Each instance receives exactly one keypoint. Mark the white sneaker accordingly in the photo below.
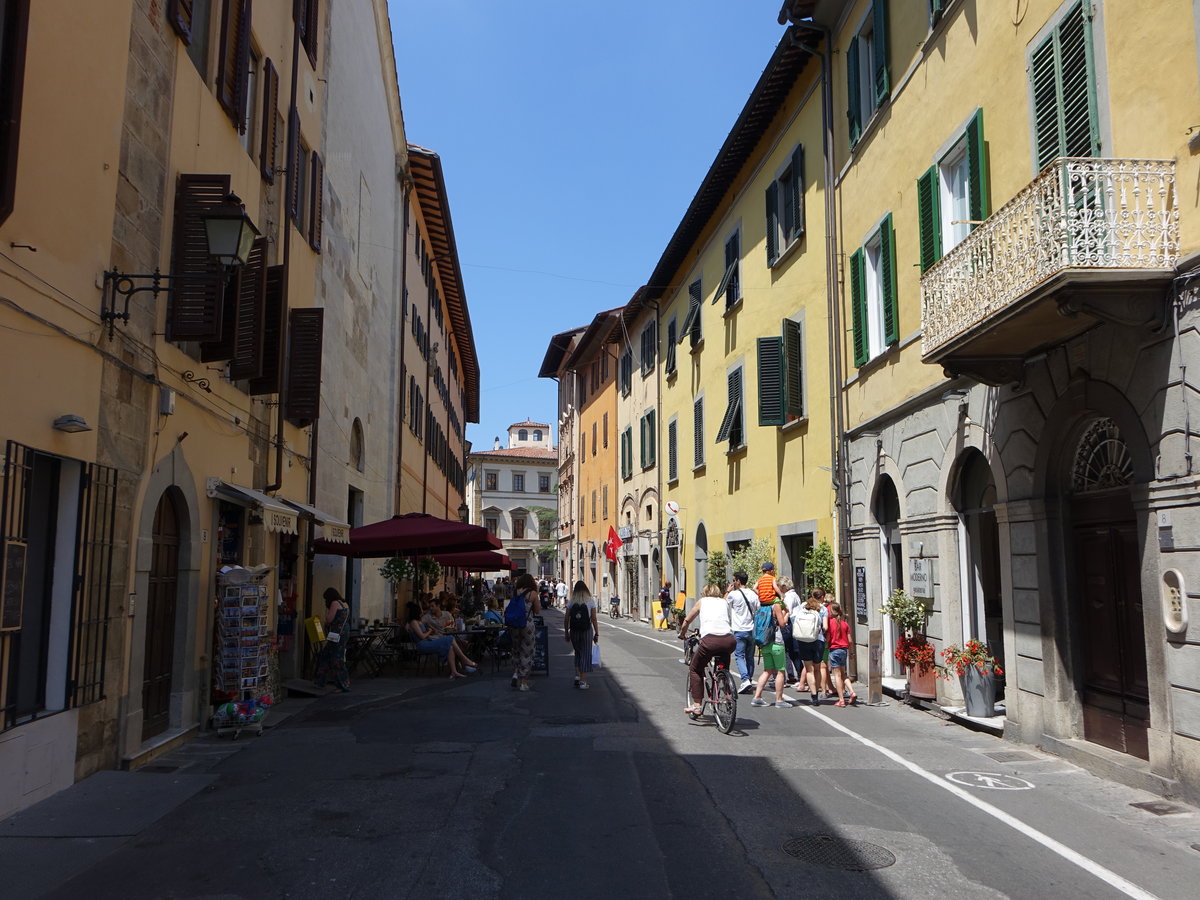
(746, 687)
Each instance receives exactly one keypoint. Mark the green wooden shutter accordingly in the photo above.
(797, 191)
(793, 363)
(672, 450)
(642, 441)
(883, 81)
(770, 381)
(936, 8)
(772, 222)
(858, 306)
(731, 428)
(651, 438)
(854, 106)
(1062, 75)
(929, 218)
(977, 171)
(887, 272)
(669, 363)
(698, 432)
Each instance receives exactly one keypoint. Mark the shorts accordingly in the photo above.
(837, 658)
(809, 651)
(773, 658)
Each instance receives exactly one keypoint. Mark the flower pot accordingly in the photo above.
(922, 684)
(979, 692)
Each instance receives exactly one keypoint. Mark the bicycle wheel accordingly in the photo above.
(725, 700)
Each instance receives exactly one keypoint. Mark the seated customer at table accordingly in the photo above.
(437, 619)
(491, 615)
(429, 641)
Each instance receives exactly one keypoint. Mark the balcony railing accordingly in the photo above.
(1078, 214)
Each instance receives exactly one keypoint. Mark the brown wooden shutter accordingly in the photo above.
(274, 319)
(222, 347)
(247, 359)
(270, 122)
(293, 170)
(179, 14)
(308, 14)
(195, 312)
(232, 71)
(315, 202)
(302, 403)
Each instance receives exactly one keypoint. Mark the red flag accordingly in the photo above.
(613, 544)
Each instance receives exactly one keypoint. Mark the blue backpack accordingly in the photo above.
(516, 615)
(764, 625)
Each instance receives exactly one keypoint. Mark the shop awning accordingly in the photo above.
(333, 529)
(276, 515)
(413, 534)
(479, 561)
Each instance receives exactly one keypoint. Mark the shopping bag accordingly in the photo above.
(333, 637)
(595, 656)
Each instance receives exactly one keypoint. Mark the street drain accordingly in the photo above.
(1159, 807)
(1011, 756)
(834, 852)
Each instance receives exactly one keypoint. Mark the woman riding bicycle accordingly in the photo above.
(716, 641)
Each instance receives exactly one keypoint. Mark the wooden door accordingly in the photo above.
(1114, 689)
(160, 621)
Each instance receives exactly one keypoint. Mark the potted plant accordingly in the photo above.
(394, 571)
(976, 669)
(912, 650)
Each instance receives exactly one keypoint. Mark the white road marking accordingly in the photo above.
(1090, 866)
(990, 780)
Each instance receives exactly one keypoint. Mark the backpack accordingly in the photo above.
(764, 626)
(580, 617)
(516, 614)
(806, 624)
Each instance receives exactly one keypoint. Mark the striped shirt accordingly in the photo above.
(766, 589)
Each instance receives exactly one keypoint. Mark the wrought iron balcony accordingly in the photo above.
(1087, 240)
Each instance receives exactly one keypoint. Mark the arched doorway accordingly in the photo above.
(891, 560)
(1106, 575)
(159, 658)
(979, 562)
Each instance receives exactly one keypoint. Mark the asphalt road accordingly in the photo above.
(428, 788)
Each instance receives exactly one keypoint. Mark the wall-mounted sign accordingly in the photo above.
(921, 577)
(671, 507)
(860, 592)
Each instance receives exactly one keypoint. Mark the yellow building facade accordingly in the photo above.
(745, 419)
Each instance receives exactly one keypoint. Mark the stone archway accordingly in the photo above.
(158, 662)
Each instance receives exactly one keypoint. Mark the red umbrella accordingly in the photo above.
(413, 534)
(481, 560)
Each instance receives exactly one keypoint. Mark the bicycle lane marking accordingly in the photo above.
(1090, 866)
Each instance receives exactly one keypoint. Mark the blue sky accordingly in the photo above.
(573, 136)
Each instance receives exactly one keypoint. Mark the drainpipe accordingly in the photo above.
(405, 190)
(838, 443)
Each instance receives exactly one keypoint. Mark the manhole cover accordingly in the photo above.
(1159, 807)
(834, 852)
(1011, 756)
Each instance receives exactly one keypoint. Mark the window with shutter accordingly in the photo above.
(605, 430)
(307, 14)
(179, 14)
(731, 428)
(978, 193)
(626, 372)
(854, 116)
(234, 63)
(770, 381)
(651, 439)
(873, 294)
(642, 441)
(698, 432)
(730, 286)
(669, 350)
(867, 69)
(14, 22)
(929, 219)
(887, 281)
(691, 327)
(274, 318)
(270, 122)
(302, 400)
(649, 348)
(858, 307)
(295, 170)
(196, 308)
(247, 358)
(673, 450)
(1063, 80)
(772, 223)
(793, 360)
(316, 205)
(785, 207)
(883, 81)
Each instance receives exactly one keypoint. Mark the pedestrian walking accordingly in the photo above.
(331, 658)
(773, 659)
(582, 631)
(518, 616)
(666, 602)
(839, 651)
(560, 592)
(743, 604)
(807, 631)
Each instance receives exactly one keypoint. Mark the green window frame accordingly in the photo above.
(691, 327)
(732, 427)
(885, 274)
(781, 376)
(730, 287)
(1062, 74)
(929, 213)
(647, 434)
(673, 450)
(697, 432)
(785, 207)
(881, 81)
(627, 452)
(669, 349)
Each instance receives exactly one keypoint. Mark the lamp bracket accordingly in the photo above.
(118, 284)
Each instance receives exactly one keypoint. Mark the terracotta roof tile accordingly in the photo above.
(522, 452)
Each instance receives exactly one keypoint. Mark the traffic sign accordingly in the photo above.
(992, 781)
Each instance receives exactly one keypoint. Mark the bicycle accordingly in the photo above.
(614, 608)
(720, 692)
